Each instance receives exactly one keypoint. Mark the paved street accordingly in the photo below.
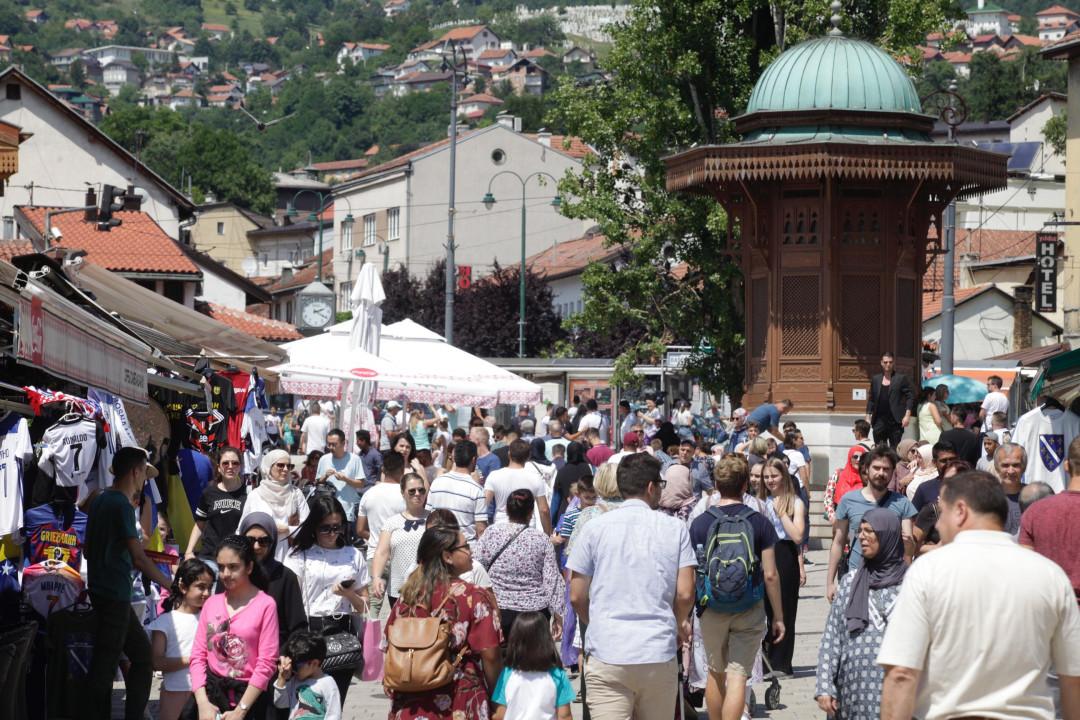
(367, 702)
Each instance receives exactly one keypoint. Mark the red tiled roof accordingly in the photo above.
(254, 325)
(482, 98)
(1057, 10)
(374, 46)
(575, 147)
(929, 53)
(463, 33)
(14, 248)
(494, 54)
(537, 53)
(571, 257)
(1029, 40)
(981, 39)
(957, 57)
(331, 165)
(137, 245)
(306, 275)
(214, 27)
(372, 151)
(931, 306)
(986, 245)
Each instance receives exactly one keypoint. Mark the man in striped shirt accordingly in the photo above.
(458, 492)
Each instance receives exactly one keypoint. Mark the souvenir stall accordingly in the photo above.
(89, 363)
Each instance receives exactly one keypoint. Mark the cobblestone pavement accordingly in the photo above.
(366, 701)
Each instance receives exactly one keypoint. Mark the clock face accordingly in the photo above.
(317, 313)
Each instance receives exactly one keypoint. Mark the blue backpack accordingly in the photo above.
(725, 574)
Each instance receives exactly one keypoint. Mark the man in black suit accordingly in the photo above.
(890, 403)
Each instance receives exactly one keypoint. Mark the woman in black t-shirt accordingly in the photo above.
(218, 513)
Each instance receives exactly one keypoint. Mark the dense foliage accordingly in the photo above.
(485, 314)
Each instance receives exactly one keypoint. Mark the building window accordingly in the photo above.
(346, 236)
(9, 227)
(288, 312)
(393, 224)
(266, 259)
(221, 228)
(345, 295)
(14, 91)
(369, 230)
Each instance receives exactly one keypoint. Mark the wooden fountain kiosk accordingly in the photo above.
(833, 190)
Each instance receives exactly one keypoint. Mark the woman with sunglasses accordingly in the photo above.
(333, 574)
(279, 498)
(399, 539)
(843, 481)
(218, 511)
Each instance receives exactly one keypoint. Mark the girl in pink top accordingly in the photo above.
(235, 652)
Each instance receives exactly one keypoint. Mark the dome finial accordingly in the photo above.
(835, 19)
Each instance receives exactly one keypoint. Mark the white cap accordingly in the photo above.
(393, 404)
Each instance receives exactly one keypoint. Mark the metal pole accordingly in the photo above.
(318, 219)
(521, 282)
(451, 267)
(948, 299)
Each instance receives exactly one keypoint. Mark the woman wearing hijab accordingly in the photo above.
(576, 467)
(282, 585)
(848, 678)
(668, 438)
(279, 498)
(844, 481)
(677, 498)
(924, 470)
(905, 452)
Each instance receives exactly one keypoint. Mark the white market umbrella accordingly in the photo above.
(367, 299)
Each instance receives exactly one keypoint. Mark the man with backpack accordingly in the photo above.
(736, 568)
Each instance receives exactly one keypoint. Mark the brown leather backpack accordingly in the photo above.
(418, 652)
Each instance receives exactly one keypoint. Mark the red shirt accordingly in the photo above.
(1050, 527)
(597, 455)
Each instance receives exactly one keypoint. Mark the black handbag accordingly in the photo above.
(344, 651)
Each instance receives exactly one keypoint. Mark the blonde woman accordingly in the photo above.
(785, 510)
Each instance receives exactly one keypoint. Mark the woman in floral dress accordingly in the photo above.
(442, 555)
(848, 676)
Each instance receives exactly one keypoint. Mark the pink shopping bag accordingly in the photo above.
(373, 654)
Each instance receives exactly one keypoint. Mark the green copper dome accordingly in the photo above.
(834, 73)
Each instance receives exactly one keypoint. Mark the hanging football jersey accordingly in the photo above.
(70, 450)
(49, 586)
(1046, 432)
(206, 430)
(55, 533)
(15, 450)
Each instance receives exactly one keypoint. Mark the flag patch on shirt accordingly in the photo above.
(1051, 450)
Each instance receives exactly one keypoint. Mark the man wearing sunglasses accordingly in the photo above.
(343, 471)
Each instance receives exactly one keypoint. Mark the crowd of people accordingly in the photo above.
(509, 564)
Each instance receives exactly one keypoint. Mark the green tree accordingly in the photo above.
(77, 73)
(1055, 131)
(678, 69)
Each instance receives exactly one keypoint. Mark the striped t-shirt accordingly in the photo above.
(461, 495)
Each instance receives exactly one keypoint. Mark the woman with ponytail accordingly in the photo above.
(172, 634)
(333, 574)
(235, 653)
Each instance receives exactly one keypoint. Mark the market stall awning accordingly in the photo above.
(1059, 378)
(61, 338)
(412, 363)
(154, 315)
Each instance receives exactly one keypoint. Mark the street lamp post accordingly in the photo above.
(451, 265)
(314, 216)
(489, 201)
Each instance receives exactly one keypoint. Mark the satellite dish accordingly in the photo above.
(249, 265)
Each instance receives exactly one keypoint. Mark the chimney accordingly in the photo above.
(506, 120)
(90, 214)
(1022, 297)
(965, 262)
(544, 137)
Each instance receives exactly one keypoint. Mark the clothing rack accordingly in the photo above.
(218, 357)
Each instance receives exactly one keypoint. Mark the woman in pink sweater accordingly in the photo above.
(235, 652)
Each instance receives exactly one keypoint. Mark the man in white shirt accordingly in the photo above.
(390, 425)
(313, 431)
(458, 492)
(343, 470)
(500, 483)
(381, 502)
(995, 401)
(592, 419)
(632, 584)
(981, 621)
(631, 445)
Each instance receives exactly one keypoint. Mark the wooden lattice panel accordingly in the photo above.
(800, 326)
(860, 315)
